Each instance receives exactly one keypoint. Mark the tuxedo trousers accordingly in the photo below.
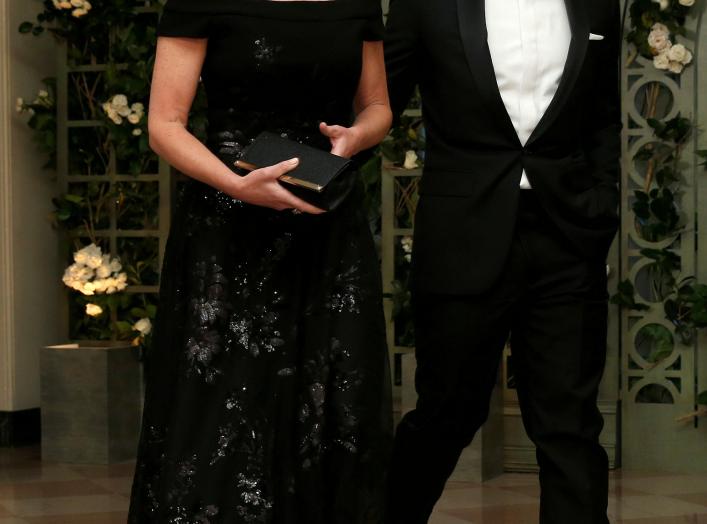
(552, 304)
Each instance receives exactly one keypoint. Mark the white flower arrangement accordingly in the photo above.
(664, 4)
(406, 243)
(95, 273)
(119, 110)
(143, 326)
(78, 8)
(668, 56)
(411, 160)
(94, 310)
(43, 99)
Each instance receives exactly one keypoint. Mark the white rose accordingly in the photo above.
(68, 277)
(679, 53)
(676, 67)
(121, 281)
(119, 101)
(410, 160)
(78, 13)
(688, 58)
(406, 243)
(19, 105)
(658, 39)
(94, 261)
(93, 310)
(116, 118)
(115, 265)
(137, 131)
(103, 271)
(90, 255)
(65, 4)
(661, 28)
(664, 4)
(134, 118)
(138, 108)
(143, 326)
(687, 3)
(100, 285)
(88, 288)
(661, 61)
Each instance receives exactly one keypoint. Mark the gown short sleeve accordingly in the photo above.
(181, 19)
(374, 29)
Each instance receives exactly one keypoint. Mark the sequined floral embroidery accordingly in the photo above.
(255, 330)
(329, 367)
(264, 52)
(209, 309)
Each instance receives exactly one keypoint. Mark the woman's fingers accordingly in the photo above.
(290, 201)
(339, 149)
(262, 188)
(304, 207)
(282, 168)
(331, 131)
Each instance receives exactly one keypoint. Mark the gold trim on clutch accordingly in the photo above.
(301, 183)
(245, 165)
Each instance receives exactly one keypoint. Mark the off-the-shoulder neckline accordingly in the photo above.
(291, 9)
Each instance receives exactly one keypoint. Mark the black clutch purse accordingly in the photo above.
(321, 179)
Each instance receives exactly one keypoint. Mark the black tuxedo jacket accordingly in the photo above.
(474, 160)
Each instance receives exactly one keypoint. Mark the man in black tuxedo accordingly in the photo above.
(518, 209)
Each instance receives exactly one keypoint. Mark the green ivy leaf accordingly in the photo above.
(123, 326)
(626, 297)
(138, 312)
(702, 398)
(76, 199)
(151, 310)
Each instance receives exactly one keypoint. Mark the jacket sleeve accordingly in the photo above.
(401, 54)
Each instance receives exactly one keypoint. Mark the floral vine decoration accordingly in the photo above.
(656, 24)
(42, 119)
(118, 35)
(78, 8)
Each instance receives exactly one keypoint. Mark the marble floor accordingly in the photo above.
(33, 492)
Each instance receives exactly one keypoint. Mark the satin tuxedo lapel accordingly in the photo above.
(474, 35)
(579, 44)
(472, 28)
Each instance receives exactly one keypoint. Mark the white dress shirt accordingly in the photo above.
(529, 42)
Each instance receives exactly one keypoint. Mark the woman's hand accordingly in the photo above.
(345, 141)
(371, 106)
(262, 188)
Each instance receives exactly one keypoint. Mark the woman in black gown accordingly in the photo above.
(267, 396)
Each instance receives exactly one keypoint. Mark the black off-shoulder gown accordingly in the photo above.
(267, 386)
